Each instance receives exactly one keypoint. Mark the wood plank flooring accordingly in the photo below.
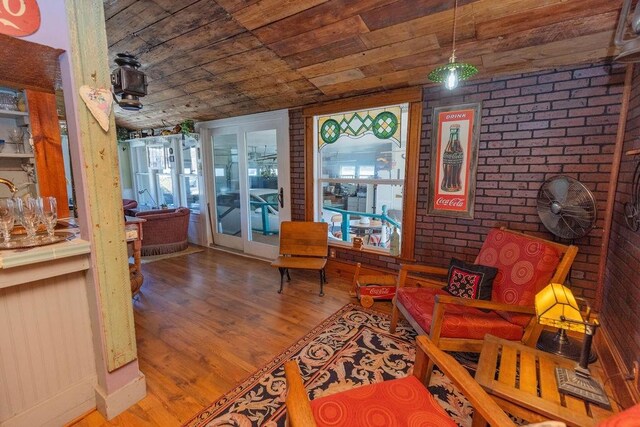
(206, 321)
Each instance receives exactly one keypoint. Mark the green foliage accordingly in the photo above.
(122, 134)
(187, 126)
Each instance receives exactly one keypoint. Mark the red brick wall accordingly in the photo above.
(534, 126)
(621, 302)
(296, 150)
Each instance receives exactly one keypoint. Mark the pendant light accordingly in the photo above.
(453, 72)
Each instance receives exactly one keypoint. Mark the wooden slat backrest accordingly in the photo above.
(304, 238)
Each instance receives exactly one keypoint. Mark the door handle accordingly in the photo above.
(281, 197)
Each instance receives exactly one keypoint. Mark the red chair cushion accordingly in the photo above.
(400, 402)
(458, 321)
(627, 418)
(525, 266)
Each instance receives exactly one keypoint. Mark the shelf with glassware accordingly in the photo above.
(17, 159)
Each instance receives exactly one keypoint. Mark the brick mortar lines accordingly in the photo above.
(533, 126)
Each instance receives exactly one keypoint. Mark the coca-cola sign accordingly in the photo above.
(378, 292)
(453, 160)
(19, 17)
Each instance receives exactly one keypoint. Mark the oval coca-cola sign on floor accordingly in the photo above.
(19, 17)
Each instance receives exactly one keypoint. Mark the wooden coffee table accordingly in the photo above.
(526, 385)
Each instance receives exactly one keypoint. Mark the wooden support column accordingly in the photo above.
(47, 142)
(100, 200)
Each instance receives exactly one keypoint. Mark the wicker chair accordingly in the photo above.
(165, 231)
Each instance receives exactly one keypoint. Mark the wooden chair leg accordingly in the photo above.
(394, 318)
(288, 277)
(281, 270)
(477, 420)
(322, 282)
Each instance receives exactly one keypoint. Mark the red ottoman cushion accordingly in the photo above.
(400, 402)
(628, 418)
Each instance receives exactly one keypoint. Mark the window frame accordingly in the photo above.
(412, 96)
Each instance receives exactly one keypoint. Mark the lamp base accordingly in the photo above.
(582, 386)
(559, 343)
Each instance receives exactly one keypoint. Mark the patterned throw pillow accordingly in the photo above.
(468, 280)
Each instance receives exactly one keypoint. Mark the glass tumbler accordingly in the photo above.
(49, 214)
(29, 212)
(7, 218)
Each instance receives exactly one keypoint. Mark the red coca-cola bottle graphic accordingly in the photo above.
(452, 160)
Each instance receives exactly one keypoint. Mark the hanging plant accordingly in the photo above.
(122, 134)
(187, 126)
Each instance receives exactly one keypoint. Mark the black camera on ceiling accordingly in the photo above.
(129, 82)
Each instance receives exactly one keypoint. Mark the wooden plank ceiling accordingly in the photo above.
(209, 59)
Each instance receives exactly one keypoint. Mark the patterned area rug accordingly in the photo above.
(351, 348)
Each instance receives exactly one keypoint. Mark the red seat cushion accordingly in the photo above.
(525, 266)
(458, 321)
(400, 402)
(627, 418)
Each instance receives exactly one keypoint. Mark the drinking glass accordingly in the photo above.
(29, 212)
(49, 214)
(7, 217)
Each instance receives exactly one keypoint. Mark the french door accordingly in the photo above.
(248, 181)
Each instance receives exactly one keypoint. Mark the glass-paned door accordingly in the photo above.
(262, 178)
(226, 173)
(251, 183)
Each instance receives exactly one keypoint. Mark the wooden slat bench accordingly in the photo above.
(303, 245)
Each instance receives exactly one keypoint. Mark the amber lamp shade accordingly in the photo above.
(556, 306)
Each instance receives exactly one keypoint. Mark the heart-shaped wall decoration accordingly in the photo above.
(99, 102)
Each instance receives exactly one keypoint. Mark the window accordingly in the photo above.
(167, 171)
(361, 155)
(361, 167)
(190, 173)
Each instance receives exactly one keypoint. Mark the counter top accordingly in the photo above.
(68, 248)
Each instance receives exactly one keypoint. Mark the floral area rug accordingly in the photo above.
(351, 348)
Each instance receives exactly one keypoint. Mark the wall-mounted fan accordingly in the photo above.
(566, 207)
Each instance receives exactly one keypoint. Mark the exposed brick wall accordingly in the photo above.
(620, 313)
(296, 149)
(534, 126)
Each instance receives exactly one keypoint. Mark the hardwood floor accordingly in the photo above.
(205, 321)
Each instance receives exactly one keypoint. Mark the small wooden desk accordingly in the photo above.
(526, 385)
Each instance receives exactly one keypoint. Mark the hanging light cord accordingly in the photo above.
(453, 46)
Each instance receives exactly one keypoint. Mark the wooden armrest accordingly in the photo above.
(440, 271)
(415, 268)
(299, 411)
(488, 305)
(476, 395)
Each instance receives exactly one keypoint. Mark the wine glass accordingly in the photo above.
(49, 214)
(16, 136)
(29, 212)
(7, 218)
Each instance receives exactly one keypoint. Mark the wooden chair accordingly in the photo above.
(304, 413)
(459, 324)
(303, 245)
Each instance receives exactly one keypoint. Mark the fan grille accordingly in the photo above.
(566, 207)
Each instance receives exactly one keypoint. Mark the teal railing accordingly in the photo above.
(346, 217)
(264, 212)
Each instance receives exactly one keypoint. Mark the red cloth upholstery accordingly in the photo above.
(400, 402)
(524, 266)
(627, 418)
(458, 321)
(128, 205)
(165, 231)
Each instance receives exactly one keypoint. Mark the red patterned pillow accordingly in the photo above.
(468, 280)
